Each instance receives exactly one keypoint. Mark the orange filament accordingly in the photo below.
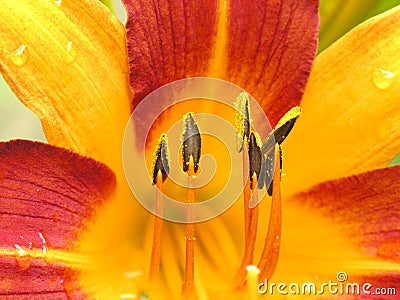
(270, 253)
(188, 283)
(251, 230)
(158, 224)
(246, 197)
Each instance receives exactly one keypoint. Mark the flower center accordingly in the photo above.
(263, 168)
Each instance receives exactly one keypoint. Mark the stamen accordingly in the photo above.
(253, 142)
(270, 253)
(246, 197)
(161, 159)
(242, 120)
(252, 282)
(251, 234)
(254, 156)
(188, 283)
(191, 151)
(282, 129)
(191, 142)
(160, 174)
(268, 169)
(157, 232)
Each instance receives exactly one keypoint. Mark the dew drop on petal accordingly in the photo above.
(383, 79)
(71, 52)
(44, 245)
(57, 2)
(22, 257)
(351, 121)
(38, 192)
(20, 56)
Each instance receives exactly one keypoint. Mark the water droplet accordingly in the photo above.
(22, 257)
(44, 246)
(38, 192)
(57, 2)
(20, 56)
(383, 79)
(71, 52)
(351, 121)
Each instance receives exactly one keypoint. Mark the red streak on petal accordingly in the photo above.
(168, 40)
(266, 47)
(48, 196)
(365, 206)
(271, 48)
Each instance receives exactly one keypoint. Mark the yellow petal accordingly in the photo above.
(351, 107)
(66, 61)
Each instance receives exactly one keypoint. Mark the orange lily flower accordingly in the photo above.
(69, 226)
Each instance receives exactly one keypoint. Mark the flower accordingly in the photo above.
(69, 226)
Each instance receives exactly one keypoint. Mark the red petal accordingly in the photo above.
(271, 48)
(47, 197)
(266, 47)
(366, 206)
(165, 41)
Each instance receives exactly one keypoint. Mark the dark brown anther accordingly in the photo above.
(269, 168)
(191, 142)
(242, 120)
(161, 159)
(282, 129)
(255, 157)
(246, 120)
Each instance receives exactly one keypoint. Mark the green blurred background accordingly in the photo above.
(337, 18)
